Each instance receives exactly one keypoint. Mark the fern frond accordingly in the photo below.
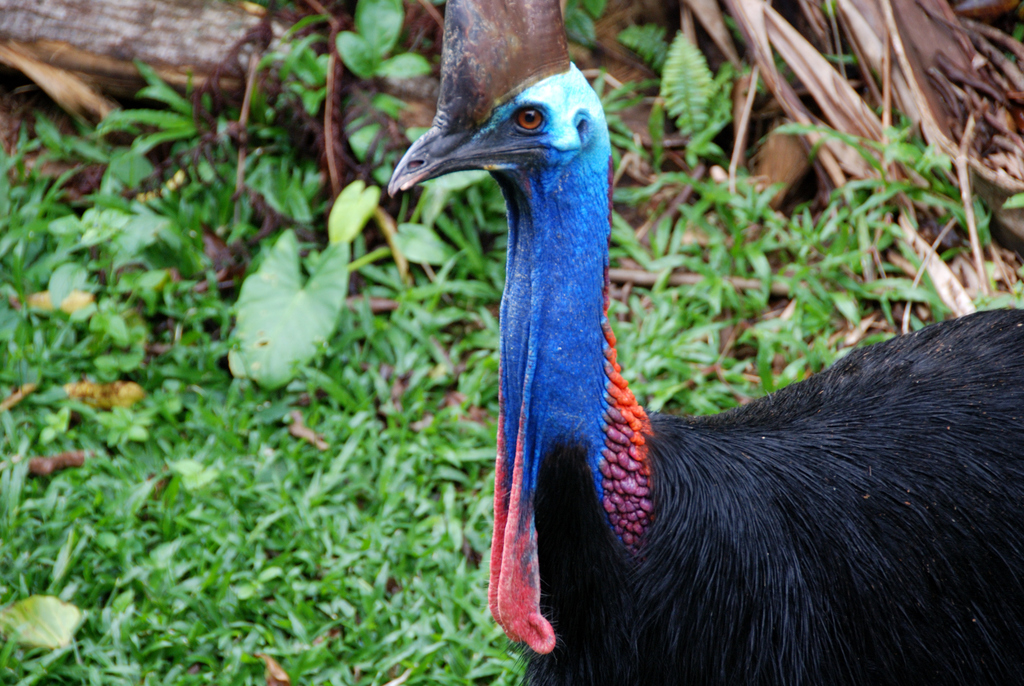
(687, 85)
(647, 41)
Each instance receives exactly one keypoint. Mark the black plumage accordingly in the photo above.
(865, 526)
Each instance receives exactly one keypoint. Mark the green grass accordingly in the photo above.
(200, 531)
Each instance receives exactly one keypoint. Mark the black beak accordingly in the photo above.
(436, 153)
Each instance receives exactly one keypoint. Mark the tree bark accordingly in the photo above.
(97, 41)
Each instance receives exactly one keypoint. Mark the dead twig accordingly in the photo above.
(968, 200)
(920, 270)
(996, 36)
(377, 305)
(332, 164)
(17, 396)
(243, 122)
(44, 466)
(741, 129)
(645, 278)
(886, 85)
(681, 198)
(432, 11)
(1005, 274)
(400, 679)
(320, 9)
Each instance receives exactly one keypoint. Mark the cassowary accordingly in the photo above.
(865, 526)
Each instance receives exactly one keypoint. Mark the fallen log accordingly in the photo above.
(98, 41)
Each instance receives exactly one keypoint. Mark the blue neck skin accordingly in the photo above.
(552, 343)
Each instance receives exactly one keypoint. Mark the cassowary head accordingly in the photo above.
(510, 100)
(512, 103)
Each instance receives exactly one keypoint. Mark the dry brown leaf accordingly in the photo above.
(709, 14)
(995, 190)
(275, 674)
(66, 89)
(106, 396)
(857, 333)
(843, 108)
(782, 159)
(751, 16)
(74, 301)
(864, 25)
(17, 396)
(423, 423)
(924, 36)
(299, 429)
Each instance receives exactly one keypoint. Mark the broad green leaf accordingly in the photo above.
(5, 188)
(413, 133)
(144, 144)
(580, 27)
(404, 66)
(420, 244)
(594, 7)
(361, 140)
(66, 278)
(128, 234)
(40, 621)
(847, 307)
(352, 209)
(160, 91)
(282, 186)
(1014, 202)
(194, 475)
(125, 120)
(129, 167)
(358, 55)
(647, 41)
(437, 191)
(379, 22)
(281, 321)
(389, 104)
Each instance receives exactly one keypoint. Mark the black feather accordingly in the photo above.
(865, 526)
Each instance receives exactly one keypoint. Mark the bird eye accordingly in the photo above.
(529, 118)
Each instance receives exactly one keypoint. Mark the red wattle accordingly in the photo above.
(514, 591)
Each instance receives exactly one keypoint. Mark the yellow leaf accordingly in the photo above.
(40, 301)
(74, 301)
(106, 395)
(41, 621)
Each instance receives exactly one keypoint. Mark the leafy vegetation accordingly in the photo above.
(379, 26)
(308, 474)
(647, 41)
(686, 85)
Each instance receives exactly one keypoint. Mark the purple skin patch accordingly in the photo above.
(623, 465)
